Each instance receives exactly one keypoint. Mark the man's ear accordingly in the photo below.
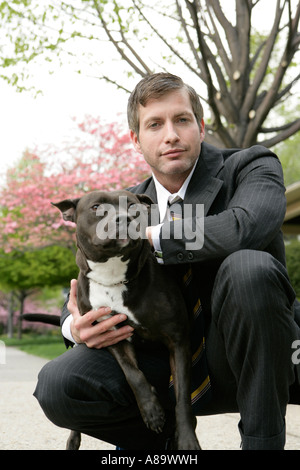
(68, 208)
(135, 141)
(202, 130)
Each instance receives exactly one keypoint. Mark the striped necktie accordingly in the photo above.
(200, 381)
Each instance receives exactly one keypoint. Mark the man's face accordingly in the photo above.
(169, 137)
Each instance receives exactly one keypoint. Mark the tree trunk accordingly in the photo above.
(20, 320)
(10, 318)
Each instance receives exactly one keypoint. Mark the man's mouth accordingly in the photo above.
(173, 153)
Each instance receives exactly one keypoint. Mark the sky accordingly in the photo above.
(26, 121)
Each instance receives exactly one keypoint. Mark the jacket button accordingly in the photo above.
(190, 256)
(180, 256)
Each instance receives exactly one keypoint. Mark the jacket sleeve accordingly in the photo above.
(64, 314)
(253, 209)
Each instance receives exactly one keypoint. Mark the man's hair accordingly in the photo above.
(153, 87)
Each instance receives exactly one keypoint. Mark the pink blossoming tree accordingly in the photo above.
(101, 157)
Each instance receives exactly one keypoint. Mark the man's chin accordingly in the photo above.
(177, 167)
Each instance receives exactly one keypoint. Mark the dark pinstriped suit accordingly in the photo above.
(248, 306)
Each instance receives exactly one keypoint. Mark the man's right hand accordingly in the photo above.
(101, 334)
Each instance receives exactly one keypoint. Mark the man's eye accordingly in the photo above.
(183, 120)
(154, 125)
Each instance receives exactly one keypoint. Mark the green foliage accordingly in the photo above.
(247, 68)
(47, 346)
(288, 153)
(293, 264)
(50, 266)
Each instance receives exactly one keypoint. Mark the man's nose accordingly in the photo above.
(171, 135)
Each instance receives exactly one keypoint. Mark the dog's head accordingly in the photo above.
(107, 222)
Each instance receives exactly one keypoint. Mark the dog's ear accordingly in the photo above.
(144, 199)
(68, 208)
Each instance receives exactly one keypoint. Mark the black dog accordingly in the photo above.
(119, 270)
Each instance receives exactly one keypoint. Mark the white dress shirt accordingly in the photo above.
(164, 198)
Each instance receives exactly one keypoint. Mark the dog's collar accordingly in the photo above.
(121, 283)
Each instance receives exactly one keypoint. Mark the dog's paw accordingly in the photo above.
(153, 414)
(188, 443)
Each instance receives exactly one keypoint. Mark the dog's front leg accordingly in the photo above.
(180, 362)
(74, 440)
(145, 394)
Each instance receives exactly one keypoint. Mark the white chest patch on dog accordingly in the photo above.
(106, 286)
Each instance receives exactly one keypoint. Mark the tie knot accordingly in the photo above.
(174, 198)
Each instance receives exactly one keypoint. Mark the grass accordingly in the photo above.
(47, 346)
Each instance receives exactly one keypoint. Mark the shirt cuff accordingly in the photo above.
(155, 236)
(66, 329)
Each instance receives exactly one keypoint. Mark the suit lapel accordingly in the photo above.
(151, 191)
(204, 185)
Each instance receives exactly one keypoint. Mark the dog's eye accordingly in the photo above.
(133, 206)
(95, 207)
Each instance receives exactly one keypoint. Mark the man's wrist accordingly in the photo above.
(66, 329)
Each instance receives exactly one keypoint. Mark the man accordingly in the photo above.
(238, 273)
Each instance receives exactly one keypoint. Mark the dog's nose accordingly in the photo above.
(122, 219)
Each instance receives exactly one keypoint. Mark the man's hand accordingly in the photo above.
(149, 235)
(100, 335)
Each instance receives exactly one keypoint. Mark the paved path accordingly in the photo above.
(23, 425)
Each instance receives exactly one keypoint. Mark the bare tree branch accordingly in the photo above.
(226, 137)
(285, 127)
(129, 47)
(252, 91)
(113, 82)
(190, 42)
(242, 89)
(287, 88)
(281, 136)
(272, 95)
(124, 56)
(172, 49)
(219, 43)
(229, 30)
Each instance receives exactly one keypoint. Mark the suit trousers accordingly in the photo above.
(248, 348)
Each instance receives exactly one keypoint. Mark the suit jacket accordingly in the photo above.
(244, 207)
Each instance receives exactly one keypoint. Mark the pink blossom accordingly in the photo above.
(101, 157)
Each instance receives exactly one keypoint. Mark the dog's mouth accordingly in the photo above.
(118, 232)
(114, 243)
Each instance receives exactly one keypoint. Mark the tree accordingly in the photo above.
(289, 152)
(100, 158)
(242, 75)
(23, 273)
(38, 247)
(293, 264)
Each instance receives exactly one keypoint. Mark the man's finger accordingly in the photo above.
(111, 322)
(72, 303)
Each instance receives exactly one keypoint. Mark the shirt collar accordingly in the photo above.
(164, 196)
